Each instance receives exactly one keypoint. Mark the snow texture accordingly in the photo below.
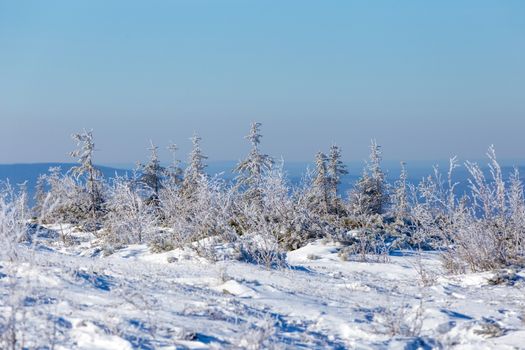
(74, 297)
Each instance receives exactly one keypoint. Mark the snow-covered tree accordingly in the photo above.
(152, 174)
(252, 169)
(370, 196)
(335, 170)
(320, 190)
(195, 170)
(87, 172)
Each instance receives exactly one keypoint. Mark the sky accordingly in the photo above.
(426, 79)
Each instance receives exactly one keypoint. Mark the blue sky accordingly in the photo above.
(427, 79)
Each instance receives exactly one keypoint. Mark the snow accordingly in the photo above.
(136, 299)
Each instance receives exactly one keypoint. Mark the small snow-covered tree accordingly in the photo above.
(195, 170)
(320, 193)
(370, 196)
(335, 170)
(252, 169)
(87, 172)
(152, 174)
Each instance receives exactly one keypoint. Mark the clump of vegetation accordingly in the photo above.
(260, 215)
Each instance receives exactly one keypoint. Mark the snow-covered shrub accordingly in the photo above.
(260, 333)
(268, 226)
(262, 249)
(129, 218)
(400, 205)
(490, 232)
(400, 320)
(368, 243)
(61, 199)
(14, 216)
(203, 219)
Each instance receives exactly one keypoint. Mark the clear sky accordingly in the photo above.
(427, 79)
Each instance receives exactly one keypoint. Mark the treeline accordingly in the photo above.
(260, 215)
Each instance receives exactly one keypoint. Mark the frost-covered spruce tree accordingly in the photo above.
(252, 169)
(195, 170)
(153, 175)
(87, 172)
(335, 170)
(370, 195)
(320, 192)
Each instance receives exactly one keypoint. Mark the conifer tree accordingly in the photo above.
(252, 169)
(370, 197)
(152, 173)
(87, 171)
(194, 172)
(321, 185)
(335, 170)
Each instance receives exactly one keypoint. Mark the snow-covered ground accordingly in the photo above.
(70, 297)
